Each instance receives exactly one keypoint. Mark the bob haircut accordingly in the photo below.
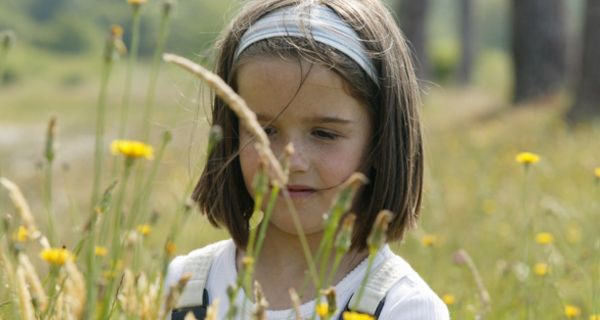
(394, 161)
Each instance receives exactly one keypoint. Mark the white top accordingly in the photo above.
(410, 298)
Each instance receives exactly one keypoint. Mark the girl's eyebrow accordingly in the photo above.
(315, 119)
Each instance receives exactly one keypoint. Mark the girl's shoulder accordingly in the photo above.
(410, 295)
(180, 264)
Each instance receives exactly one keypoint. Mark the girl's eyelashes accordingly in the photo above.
(269, 130)
(325, 134)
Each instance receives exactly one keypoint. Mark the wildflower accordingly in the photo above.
(351, 315)
(100, 251)
(540, 269)
(449, 299)
(572, 311)
(132, 149)
(116, 31)
(377, 236)
(527, 158)
(170, 248)
(597, 173)
(144, 229)
(247, 262)
(136, 2)
(429, 240)
(544, 238)
(22, 234)
(322, 309)
(56, 256)
(595, 317)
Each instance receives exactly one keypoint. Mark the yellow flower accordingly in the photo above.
(132, 149)
(595, 317)
(144, 229)
(429, 240)
(100, 251)
(544, 238)
(572, 311)
(527, 158)
(351, 315)
(116, 31)
(21, 235)
(170, 248)
(449, 299)
(540, 269)
(322, 309)
(597, 172)
(56, 256)
(136, 2)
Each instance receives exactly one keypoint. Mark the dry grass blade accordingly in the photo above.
(25, 306)
(37, 290)
(238, 105)
(21, 204)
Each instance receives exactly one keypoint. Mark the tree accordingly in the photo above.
(466, 36)
(587, 95)
(539, 47)
(412, 16)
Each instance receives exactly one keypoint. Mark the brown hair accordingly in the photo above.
(394, 163)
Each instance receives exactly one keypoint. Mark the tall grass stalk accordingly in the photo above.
(109, 55)
(156, 63)
(133, 53)
(49, 158)
(7, 41)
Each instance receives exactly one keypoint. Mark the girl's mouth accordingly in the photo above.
(300, 191)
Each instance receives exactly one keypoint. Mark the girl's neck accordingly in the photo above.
(282, 265)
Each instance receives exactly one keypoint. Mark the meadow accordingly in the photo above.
(499, 237)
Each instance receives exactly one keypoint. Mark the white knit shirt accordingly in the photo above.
(409, 299)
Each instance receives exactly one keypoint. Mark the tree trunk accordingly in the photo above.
(587, 99)
(466, 37)
(412, 17)
(539, 41)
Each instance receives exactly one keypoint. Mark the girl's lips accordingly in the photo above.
(300, 191)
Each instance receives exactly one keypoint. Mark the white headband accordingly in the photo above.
(320, 22)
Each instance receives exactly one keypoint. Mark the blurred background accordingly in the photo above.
(498, 77)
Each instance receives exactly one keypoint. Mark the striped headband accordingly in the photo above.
(320, 22)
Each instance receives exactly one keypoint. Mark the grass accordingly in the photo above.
(477, 197)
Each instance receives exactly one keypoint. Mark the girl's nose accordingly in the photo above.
(298, 162)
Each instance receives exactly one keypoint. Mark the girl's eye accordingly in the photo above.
(269, 130)
(325, 135)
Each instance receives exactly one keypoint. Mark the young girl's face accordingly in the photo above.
(328, 127)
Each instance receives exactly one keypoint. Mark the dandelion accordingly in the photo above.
(527, 158)
(597, 173)
(544, 238)
(100, 251)
(132, 149)
(572, 311)
(144, 229)
(351, 315)
(170, 248)
(541, 269)
(136, 2)
(322, 309)
(449, 299)
(56, 256)
(595, 317)
(22, 234)
(429, 240)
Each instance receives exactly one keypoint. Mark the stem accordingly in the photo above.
(100, 120)
(363, 283)
(48, 202)
(130, 65)
(269, 212)
(156, 61)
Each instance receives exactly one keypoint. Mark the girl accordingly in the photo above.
(334, 79)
